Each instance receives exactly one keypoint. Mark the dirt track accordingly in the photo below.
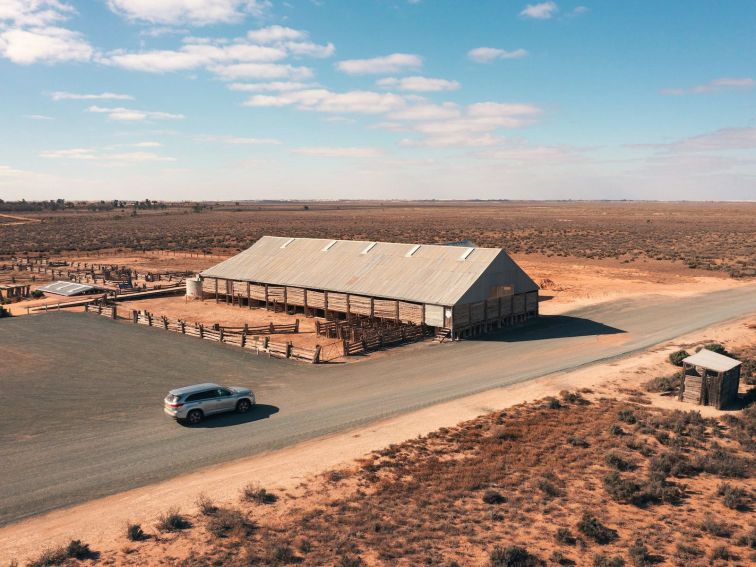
(83, 416)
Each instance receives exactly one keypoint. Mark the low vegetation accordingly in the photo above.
(706, 236)
(526, 486)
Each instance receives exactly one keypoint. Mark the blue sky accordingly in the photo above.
(250, 99)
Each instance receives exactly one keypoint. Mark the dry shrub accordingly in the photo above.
(715, 527)
(173, 521)
(134, 532)
(591, 527)
(253, 492)
(75, 549)
(513, 556)
(734, 497)
(225, 522)
(206, 506)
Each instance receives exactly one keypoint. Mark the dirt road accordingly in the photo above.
(83, 414)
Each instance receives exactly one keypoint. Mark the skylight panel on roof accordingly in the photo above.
(329, 245)
(369, 247)
(467, 253)
(285, 244)
(414, 249)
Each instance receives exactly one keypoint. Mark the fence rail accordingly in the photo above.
(244, 338)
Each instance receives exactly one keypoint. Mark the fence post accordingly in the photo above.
(244, 337)
(220, 330)
(316, 355)
(201, 331)
(266, 340)
(296, 326)
(86, 308)
(288, 349)
(134, 316)
(345, 347)
(271, 328)
(115, 312)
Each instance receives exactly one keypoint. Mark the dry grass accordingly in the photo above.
(511, 488)
(713, 236)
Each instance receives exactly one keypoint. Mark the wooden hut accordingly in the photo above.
(710, 379)
(14, 292)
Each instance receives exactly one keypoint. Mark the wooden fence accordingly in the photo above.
(243, 337)
(381, 338)
(109, 311)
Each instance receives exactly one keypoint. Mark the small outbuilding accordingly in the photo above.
(68, 289)
(14, 292)
(710, 379)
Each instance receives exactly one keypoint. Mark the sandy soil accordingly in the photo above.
(571, 283)
(101, 522)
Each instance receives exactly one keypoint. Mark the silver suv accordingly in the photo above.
(193, 403)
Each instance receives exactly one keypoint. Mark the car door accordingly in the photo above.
(225, 400)
(206, 401)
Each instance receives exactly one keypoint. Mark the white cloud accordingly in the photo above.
(237, 141)
(63, 95)
(723, 84)
(310, 49)
(489, 54)
(323, 100)
(189, 12)
(339, 152)
(147, 145)
(261, 71)
(418, 84)
(73, 153)
(192, 56)
(131, 115)
(273, 86)
(425, 112)
(274, 34)
(448, 125)
(104, 157)
(394, 63)
(49, 44)
(724, 139)
(38, 117)
(541, 11)
(34, 13)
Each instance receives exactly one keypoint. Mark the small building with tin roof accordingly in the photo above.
(710, 379)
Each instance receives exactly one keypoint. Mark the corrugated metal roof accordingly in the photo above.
(426, 273)
(66, 288)
(712, 360)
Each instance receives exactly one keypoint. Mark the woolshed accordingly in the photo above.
(710, 379)
(456, 290)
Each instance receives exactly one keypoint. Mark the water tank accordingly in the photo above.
(194, 287)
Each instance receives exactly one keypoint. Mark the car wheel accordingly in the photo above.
(194, 417)
(243, 406)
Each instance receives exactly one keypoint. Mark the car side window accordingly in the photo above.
(223, 393)
(206, 395)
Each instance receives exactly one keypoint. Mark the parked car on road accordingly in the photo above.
(194, 403)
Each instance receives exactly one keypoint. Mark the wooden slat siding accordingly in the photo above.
(477, 312)
(461, 315)
(492, 308)
(360, 305)
(518, 304)
(276, 293)
(337, 302)
(411, 312)
(315, 299)
(384, 308)
(506, 305)
(257, 292)
(531, 301)
(295, 296)
(240, 288)
(208, 285)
